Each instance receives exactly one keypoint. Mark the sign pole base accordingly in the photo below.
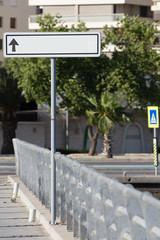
(156, 170)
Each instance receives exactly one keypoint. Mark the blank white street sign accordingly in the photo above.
(52, 44)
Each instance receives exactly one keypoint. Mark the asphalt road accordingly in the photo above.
(7, 167)
(108, 167)
(122, 167)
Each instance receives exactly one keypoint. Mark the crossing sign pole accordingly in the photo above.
(153, 122)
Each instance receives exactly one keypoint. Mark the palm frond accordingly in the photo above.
(106, 111)
(92, 99)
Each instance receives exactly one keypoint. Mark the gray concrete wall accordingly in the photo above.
(127, 138)
(32, 132)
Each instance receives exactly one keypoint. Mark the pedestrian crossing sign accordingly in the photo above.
(153, 117)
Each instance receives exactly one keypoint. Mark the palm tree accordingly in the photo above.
(105, 113)
(10, 98)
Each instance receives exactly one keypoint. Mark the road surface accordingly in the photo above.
(109, 167)
(121, 167)
(7, 167)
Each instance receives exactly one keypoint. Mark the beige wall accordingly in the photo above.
(71, 10)
(96, 9)
(62, 10)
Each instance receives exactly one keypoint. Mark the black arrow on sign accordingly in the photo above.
(13, 43)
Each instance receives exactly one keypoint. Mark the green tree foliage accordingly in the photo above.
(133, 69)
(76, 77)
(87, 79)
(135, 64)
(33, 74)
(105, 113)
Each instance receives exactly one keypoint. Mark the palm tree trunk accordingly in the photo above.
(107, 145)
(93, 140)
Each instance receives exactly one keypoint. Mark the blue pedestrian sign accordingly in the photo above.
(153, 117)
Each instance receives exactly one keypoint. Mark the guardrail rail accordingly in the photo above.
(93, 206)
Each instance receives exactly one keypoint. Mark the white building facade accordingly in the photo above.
(95, 13)
(156, 11)
(156, 5)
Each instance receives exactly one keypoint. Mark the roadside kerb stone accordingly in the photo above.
(116, 158)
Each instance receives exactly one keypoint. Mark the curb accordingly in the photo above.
(58, 231)
(115, 158)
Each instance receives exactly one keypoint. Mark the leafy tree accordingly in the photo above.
(88, 78)
(132, 71)
(76, 77)
(105, 113)
(33, 74)
(10, 97)
(135, 63)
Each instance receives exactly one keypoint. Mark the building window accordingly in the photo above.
(1, 44)
(12, 22)
(13, 3)
(1, 22)
(145, 12)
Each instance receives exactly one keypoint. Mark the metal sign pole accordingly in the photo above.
(53, 140)
(155, 151)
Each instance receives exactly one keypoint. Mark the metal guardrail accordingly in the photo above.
(93, 206)
(33, 168)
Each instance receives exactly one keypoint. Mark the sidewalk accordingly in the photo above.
(14, 218)
(56, 232)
